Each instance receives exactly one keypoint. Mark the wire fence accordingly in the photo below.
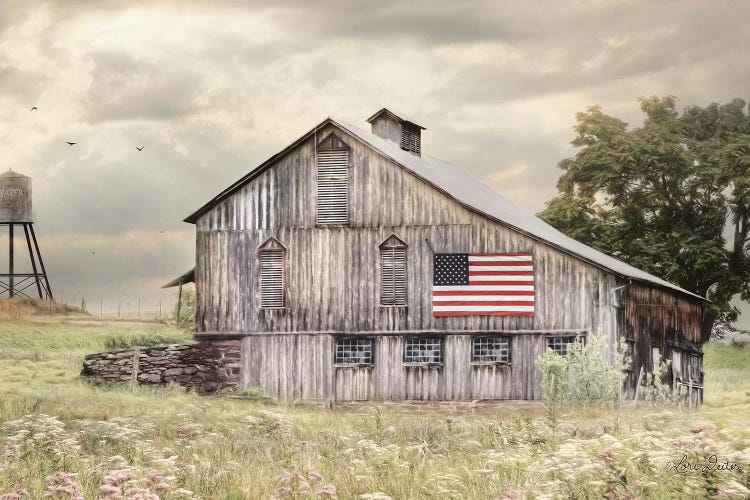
(126, 309)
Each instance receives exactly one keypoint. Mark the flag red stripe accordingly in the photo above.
(500, 263)
(477, 282)
(441, 293)
(508, 254)
(484, 303)
(501, 273)
(483, 313)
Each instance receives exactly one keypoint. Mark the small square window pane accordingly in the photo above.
(423, 350)
(491, 350)
(559, 345)
(354, 351)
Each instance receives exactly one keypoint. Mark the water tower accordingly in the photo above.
(15, 211)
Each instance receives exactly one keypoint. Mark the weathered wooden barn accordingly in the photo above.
(347, 265)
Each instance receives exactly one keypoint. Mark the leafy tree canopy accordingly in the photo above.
(671, 197)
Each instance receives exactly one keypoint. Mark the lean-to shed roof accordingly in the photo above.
(188, 277)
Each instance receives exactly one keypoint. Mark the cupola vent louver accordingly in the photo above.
(403, 131)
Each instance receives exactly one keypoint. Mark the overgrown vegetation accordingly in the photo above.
(184, 312)
(584, 376)
(57, 435)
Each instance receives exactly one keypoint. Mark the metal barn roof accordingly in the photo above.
(465, 188)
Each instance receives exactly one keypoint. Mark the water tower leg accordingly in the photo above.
(33, 261)
(10, 260)
(41, 263)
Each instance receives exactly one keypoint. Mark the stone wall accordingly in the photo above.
(204, 366)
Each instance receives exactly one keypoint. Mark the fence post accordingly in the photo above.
(134, 371)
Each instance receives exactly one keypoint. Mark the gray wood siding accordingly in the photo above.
(388, 127)
(333, 282)
(333, 272)
(300, 367)
(382, 194)
(289, 367)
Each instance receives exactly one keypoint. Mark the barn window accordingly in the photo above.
(393, 272)
(490, 350)
(354, 351)
(333, 186)
(559, 345)
(271, 275)
(410, 138)
(423, 350)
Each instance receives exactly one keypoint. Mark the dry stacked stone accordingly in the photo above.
(203, 366)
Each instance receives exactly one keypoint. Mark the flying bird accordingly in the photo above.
(34, 108)
(70, 143)
(139, 149)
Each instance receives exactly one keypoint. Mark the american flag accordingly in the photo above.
(487, 284)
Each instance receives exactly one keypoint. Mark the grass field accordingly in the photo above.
(71, 440)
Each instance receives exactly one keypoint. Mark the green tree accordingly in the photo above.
(663, 196)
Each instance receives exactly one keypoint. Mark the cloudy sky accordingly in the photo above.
(210, 89)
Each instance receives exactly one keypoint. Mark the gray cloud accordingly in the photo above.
(124, 87)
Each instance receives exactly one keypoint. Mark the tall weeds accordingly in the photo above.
(59, 435)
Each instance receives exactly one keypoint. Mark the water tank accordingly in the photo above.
(15, 197)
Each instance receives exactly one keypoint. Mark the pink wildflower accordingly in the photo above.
(63, 485)
(14, 495)
(327, 491)
(140, 494)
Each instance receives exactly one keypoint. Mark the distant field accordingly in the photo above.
(179, 445)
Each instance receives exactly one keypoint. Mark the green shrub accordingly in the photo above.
(594, 380)
(554, 386)
(583, 376)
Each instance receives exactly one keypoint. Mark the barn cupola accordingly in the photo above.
(403, 131)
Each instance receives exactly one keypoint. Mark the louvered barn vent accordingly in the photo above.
(272, 278)
(399, 129)
(333, 187)
(410, 139)
(393, 276)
